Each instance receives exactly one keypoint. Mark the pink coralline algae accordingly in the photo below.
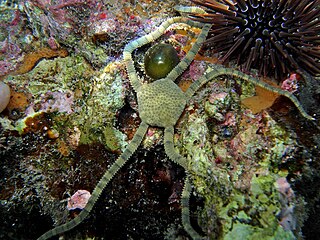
(57, 101)
(6, 67)
(291, 83)
(217, 97)
(113, 32)
(230, 119)
(78, 200)
(57, 19)
(196, 70)
(285, 189)
(10, 52)
(53, 44)
(287, 217)
(59, 11)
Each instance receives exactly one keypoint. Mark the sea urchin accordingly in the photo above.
(274, 36)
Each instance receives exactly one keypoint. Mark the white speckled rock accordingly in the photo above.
(4, 95)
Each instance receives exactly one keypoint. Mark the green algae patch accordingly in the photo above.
(233, 157)
(60, 74)
(97, 114)
(67, 126)
(76, 96)
(112, 138)
(247, 232)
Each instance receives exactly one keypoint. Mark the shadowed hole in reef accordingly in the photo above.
(308, 187)
(303, 166)
(138, 202)
(13, 226)
(20, 205)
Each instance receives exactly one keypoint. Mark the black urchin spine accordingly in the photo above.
(274, 36)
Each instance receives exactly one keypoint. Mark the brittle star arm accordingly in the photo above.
(185, 62)
(169, 148)
(185, 210)
(188, 9)
(131, 46)
(185, 197)
(227, 71)
(108, 175)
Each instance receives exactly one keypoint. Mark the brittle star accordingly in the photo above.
(160, 104)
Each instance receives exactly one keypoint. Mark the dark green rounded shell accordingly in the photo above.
(160, 60)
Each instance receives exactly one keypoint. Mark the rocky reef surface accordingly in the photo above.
(254, 160)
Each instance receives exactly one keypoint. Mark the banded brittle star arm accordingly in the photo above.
(108, 175)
